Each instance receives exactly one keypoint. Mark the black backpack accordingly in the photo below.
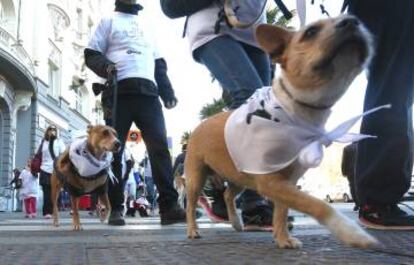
(183, 8)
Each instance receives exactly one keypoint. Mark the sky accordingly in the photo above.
(193, 84)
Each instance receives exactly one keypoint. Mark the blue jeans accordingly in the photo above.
(240, 69)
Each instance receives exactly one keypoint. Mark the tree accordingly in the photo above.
(185, 137)
(208, 110)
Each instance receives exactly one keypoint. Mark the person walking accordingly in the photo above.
(234, 58)
(16, 183)
(29, 191)
(123, 46)
(50, 148)
(348, 169)
(384, 165)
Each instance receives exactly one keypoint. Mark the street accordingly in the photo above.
(144, 241)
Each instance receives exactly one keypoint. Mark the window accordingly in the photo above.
(78, 100)
(54, 80)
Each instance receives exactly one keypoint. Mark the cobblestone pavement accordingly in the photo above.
(144, 241)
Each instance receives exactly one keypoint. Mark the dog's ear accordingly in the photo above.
(273, 40)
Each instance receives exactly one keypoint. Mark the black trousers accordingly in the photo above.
(384, 165)
(47, 200)
(47, 192)
(146, 112)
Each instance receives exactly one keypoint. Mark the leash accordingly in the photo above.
(113, 84)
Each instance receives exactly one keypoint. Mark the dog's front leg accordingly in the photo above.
(56, 187)
(229, 196)
(341, 226)
(104, 200)
(75, 216)
(280, 229)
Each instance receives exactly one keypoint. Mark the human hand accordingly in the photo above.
(170, 103)
(111, 69)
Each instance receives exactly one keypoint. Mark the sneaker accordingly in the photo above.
(48, 216)
(116, 218)
(33, 216)
(175, 214)
(385, 218)
(258, 219)
(217, 212)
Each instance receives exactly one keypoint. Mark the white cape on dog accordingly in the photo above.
(86, 164)
(262, 137)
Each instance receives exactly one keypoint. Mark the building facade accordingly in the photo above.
(43, 78)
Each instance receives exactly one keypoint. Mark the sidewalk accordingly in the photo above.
(144, 241)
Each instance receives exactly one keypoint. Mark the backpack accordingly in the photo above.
(183, 8)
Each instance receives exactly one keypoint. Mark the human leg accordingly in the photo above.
(231, 65)
(150, 120)
(116, 188)
(26, 202)
(384, 165)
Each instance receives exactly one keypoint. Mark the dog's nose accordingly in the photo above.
(349, 22)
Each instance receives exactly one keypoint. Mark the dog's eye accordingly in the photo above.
(311, 32)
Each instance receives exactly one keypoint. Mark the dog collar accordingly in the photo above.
(304, 104)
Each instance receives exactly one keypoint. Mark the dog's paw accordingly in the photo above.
(289, 243)
(237, 224)
(350, 233)
(77, 227)
(358, 238)
(193, 234)
(103, 215)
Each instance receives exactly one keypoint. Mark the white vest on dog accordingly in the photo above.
(262, 137)
(86, 164)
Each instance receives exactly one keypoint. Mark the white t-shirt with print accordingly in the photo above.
(47, 160)
(125, 40)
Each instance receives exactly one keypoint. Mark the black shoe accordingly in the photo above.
(174, 214)
(116, 218)
(258, 219)
(385, 218)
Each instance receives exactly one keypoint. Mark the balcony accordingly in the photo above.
(15, 49)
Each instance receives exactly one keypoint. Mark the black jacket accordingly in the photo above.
(182, 8)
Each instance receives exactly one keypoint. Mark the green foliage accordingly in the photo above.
(185, 137)
(210, 109)
(275, 16)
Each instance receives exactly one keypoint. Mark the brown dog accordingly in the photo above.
(318, 63)
(73, 170)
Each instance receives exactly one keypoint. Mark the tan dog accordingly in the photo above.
(101, 140)
(318, 64)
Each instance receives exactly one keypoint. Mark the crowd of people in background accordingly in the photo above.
(122, 46)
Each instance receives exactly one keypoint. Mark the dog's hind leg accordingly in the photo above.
(229, 196)
(56, 186)
(196, 175)
(341, 226)
(280, 229)
(75, 217)
(104, 213)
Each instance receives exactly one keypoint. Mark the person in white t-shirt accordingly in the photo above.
(123, 45)
(50, 147)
